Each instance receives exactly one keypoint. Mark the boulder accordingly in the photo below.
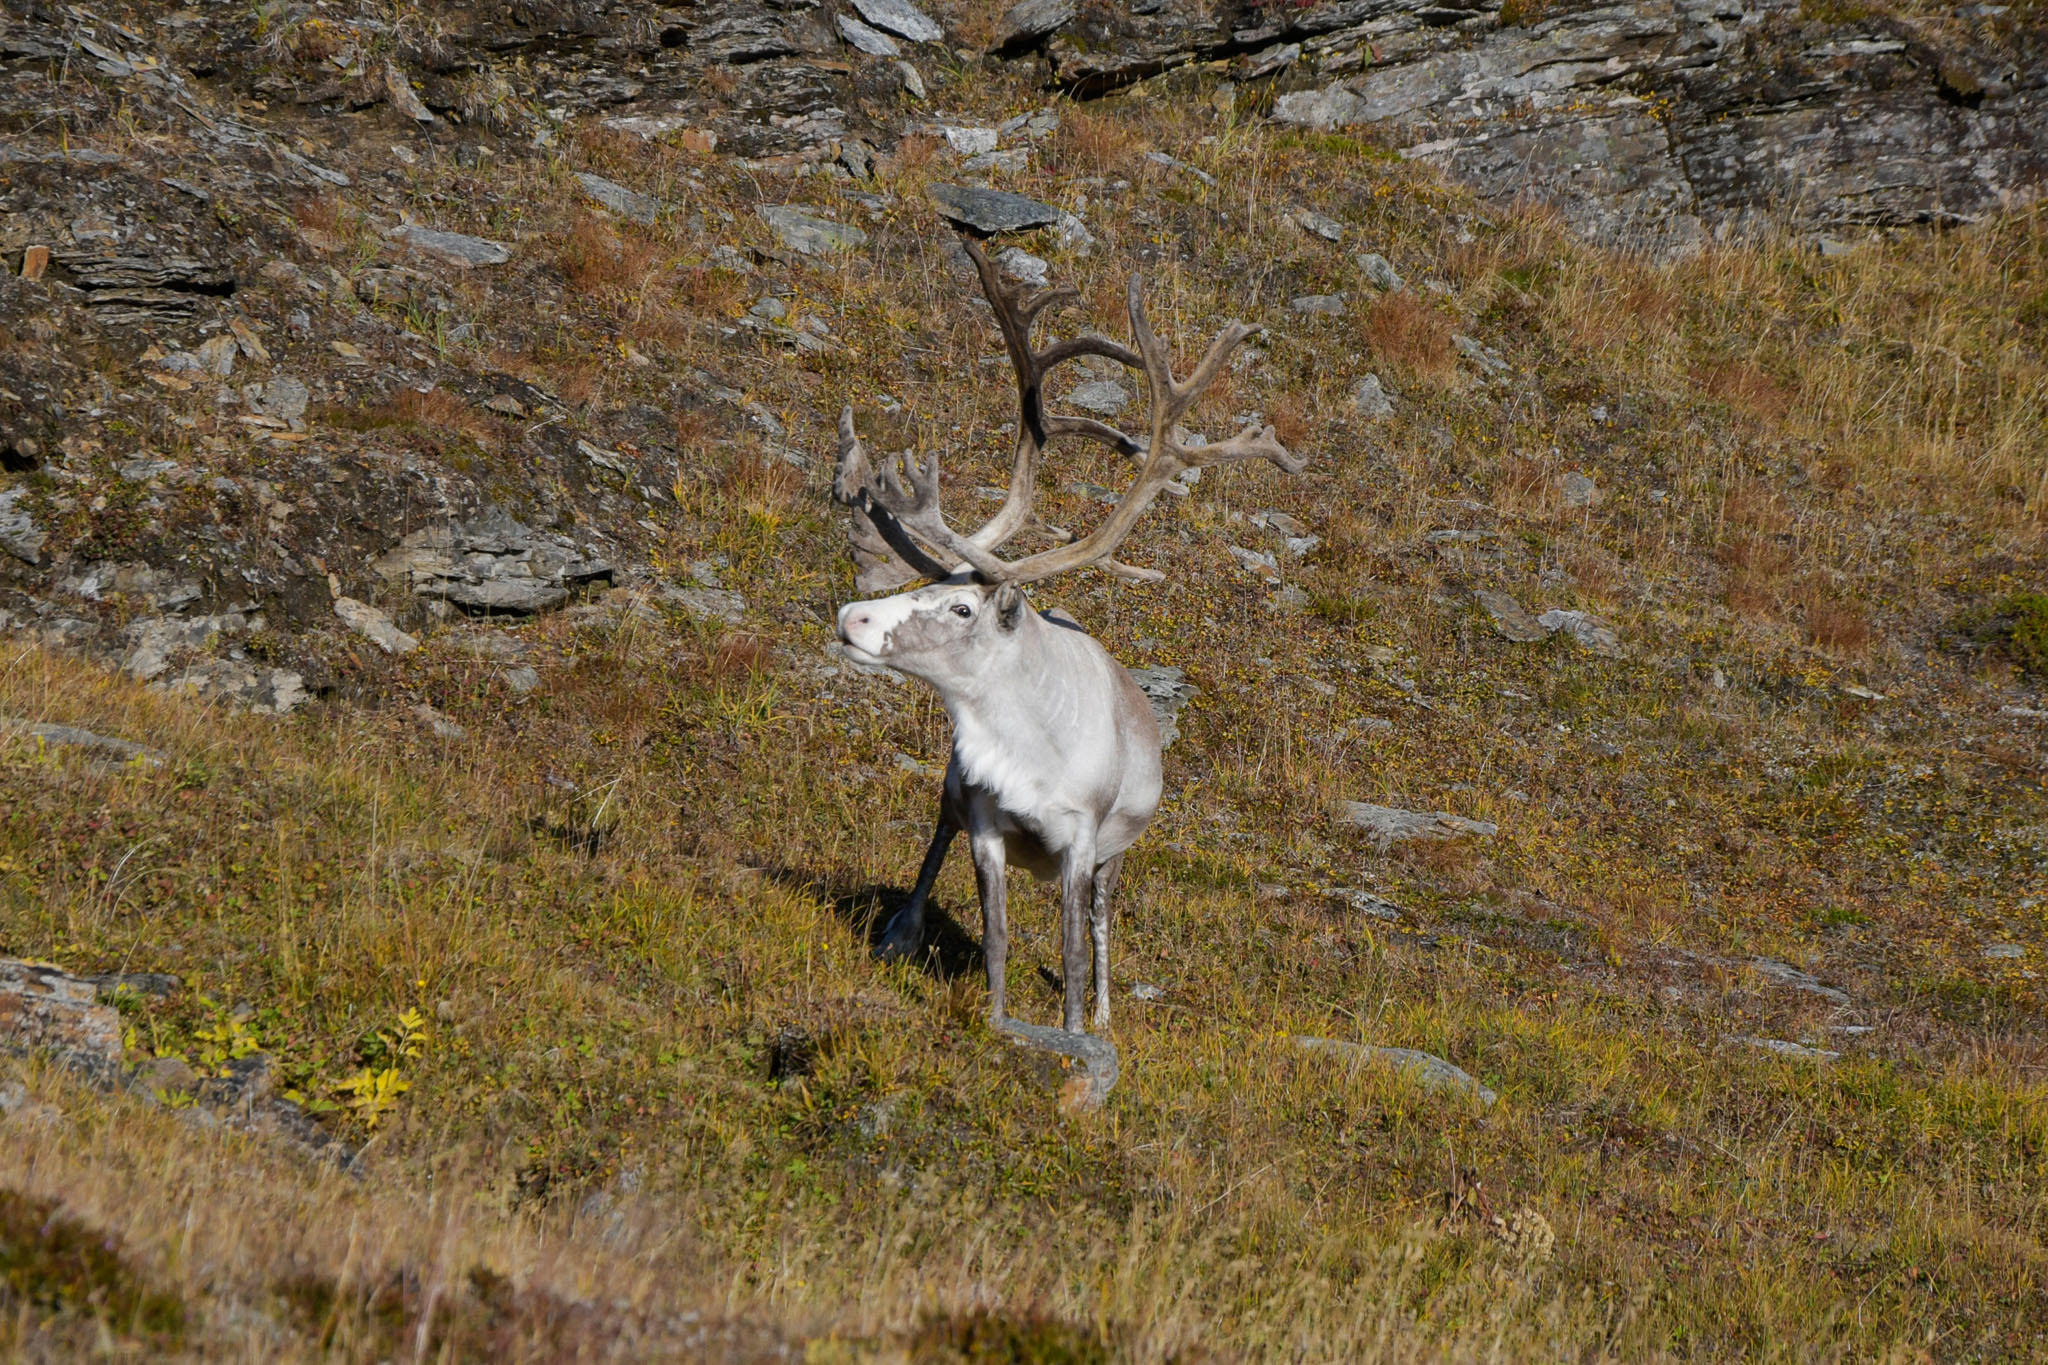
(991, 211)
(1390, 825)
(1084, 1066)
(48, 1011)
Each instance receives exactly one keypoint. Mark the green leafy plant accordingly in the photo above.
(225, 1038)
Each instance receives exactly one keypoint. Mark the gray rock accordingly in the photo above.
(991, 211)
(504, 596)
(1331, 305)
(19, 534)
(901, 18)
(711, 604)
(70, 736)
(1369, 399)
(1588, 630)
(1319, 225)
(1073, 233)
(154, 641)
(1785, 974)
(1997, 951)
(1379, 272)
(1029, 21)
(402, 96)
(1510, 621)
(1168, 691)
(438, 722)
(1390, 825)
(1087, 1066)
(157, 984)
(132, 582)
(1334, 107)
(1364, 902)
(1737, 121)
(495, 566)
(266, 691)
(808, 233)
(374, 626)
(1577, 490)
(871, 41)
(1011, 162)
(457, 249)
(1022, 266)
(50, 1012)
(626, 203)
(1105, 396)
(521, 680)
(913, 84)
(1258, 561)
(1485, 358)
(970, 141)
(1785, 1049)
(1425, 1070)
(283, 398)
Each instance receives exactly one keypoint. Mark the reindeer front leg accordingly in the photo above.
(904, 936)
(1077, 886)
(985, 838)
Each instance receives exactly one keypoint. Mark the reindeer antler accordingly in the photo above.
(892, 518)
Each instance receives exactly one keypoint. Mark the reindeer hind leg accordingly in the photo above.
(1098, 929)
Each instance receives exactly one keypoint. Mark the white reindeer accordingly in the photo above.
(1055, 765)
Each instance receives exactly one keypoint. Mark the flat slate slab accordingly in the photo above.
(901, 18)
(1426, 1070)
(808, 233)
(626, 203)
(990, 211)
(456, 248)
(126, 751)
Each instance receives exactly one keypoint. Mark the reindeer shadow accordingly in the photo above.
(950, 950)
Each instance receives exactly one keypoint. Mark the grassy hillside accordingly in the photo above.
(657, 1101)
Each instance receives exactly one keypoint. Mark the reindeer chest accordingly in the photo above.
(1036, 774)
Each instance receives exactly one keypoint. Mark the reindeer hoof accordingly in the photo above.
(900, 941)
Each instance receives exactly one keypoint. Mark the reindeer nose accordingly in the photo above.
(851, 616)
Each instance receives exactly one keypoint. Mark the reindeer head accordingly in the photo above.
(944, 633)
(900, 535)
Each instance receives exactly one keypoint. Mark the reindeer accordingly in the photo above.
(1056, 761)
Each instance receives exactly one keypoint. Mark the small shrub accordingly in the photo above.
(2014, 628)
(1406, 333)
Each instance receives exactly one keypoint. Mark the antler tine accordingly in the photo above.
(1015, 315)
(1165, 455)
(884, 555)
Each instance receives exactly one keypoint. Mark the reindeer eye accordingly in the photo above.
(962, 610)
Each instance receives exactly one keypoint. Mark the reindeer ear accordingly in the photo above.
(1010, 605)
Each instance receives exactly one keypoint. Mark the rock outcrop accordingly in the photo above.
(1658, 124)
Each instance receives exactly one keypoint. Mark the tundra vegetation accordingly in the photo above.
(588, 981)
